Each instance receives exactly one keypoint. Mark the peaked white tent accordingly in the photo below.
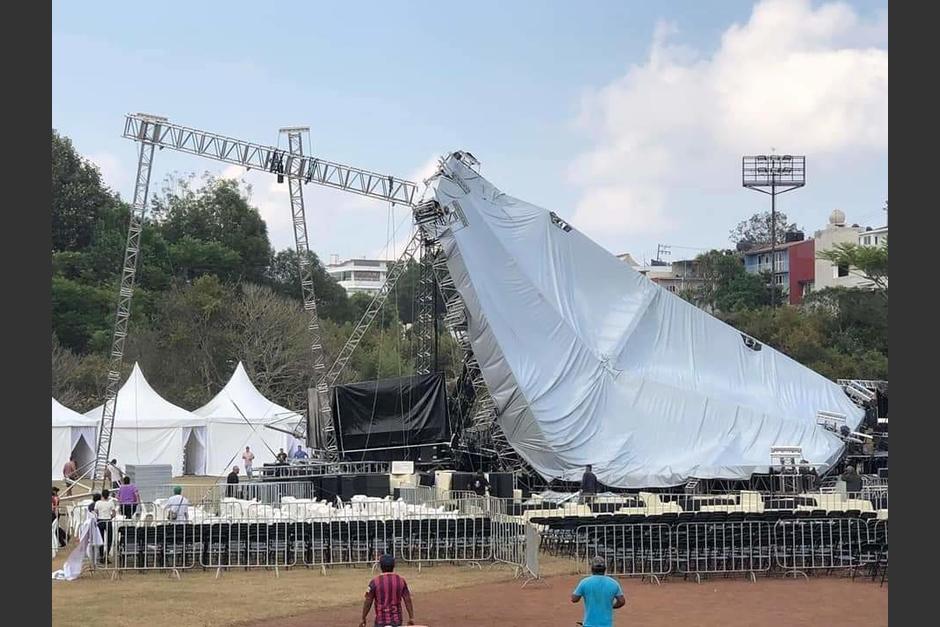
(239, 416)
(72, 434)
(591, 363)
(149, 429)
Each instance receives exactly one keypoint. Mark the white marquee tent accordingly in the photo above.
(589, 362)
(148, 429)
(72, 434)
(239, 416)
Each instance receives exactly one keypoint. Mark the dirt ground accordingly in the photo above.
(829, 601)
(448, 596)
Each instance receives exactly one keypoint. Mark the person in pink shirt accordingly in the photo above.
(128, 497)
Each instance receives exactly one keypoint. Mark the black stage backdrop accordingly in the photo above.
(404, 411)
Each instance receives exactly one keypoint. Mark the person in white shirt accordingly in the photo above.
(105, 509)
(177, 506)
(248, 457)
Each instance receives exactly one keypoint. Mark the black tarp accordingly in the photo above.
(391, 413)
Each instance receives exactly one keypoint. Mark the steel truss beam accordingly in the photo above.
(267, 158)
(145, 132)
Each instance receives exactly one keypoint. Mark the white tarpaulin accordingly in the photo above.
(238, 417)
(72, 434)
(589, 362)
(149, 429)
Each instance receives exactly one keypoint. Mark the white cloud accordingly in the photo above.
(794, 77)
(112, 173)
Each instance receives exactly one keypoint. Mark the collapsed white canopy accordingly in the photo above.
(149, 429)
(238, 417)
(72, 435)
(591, 363)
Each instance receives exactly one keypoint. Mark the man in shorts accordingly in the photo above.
(602, 595)
(387, 591)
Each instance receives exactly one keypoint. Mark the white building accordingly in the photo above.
(359, 275)
(827, 274)
(873, 237)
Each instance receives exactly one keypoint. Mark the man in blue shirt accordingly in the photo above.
(602, 595)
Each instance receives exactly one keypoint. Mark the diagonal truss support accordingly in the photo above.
(391, 279)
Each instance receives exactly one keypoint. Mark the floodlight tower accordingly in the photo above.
(773, 174)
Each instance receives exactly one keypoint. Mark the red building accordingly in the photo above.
(796, 266)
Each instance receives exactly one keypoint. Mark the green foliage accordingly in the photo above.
(284, 277)
(727, 286)
(77, 196)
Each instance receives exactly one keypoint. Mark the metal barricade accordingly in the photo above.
(637, 549)
(703, 548)
(155, 545)
(508, 540)
(251, 543)
(803, 544)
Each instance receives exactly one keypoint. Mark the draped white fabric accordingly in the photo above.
(591, 363)
(239, 416)
(67, 427)
(148, 429)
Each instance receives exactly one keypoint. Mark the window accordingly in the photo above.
(876, 240)
(363, 275)
(868, 240)
(842, 270)
(671, 288)
(779, 279)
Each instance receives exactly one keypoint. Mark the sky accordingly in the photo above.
(628, 119)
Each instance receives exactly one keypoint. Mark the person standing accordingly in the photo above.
(177, 506)
(588, 485)
(113, 474)
(602, 595)
(232, 480)
(247, 458)
(479, 484)
(70, 475)
(387, 591)
(281, 457)
(128, 497)
(105, 508)
(853, 481)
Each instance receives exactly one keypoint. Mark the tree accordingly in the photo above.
(868, 262)
(726, 285)
(284, 277)
(78, 196)
(214, 230)
(756, 230)
(272, 342)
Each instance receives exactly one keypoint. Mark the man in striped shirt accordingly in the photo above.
(387, 591)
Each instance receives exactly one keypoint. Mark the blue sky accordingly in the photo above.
(627, 118)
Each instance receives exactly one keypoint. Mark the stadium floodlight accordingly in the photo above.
(773, 174)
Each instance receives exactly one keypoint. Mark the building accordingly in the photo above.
(795, 266)
(359, 276)
(828, 274)
(873, 237)
(675, 277)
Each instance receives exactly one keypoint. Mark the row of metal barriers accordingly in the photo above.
(793, 546)
(228, 544)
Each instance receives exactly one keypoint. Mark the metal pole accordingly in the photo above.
(773, 236)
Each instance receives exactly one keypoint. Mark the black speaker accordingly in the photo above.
(329, 487)
(361, 484)
(426, 479)
(461, 481)
(347, 486)
(501, 484)
(377, 486)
